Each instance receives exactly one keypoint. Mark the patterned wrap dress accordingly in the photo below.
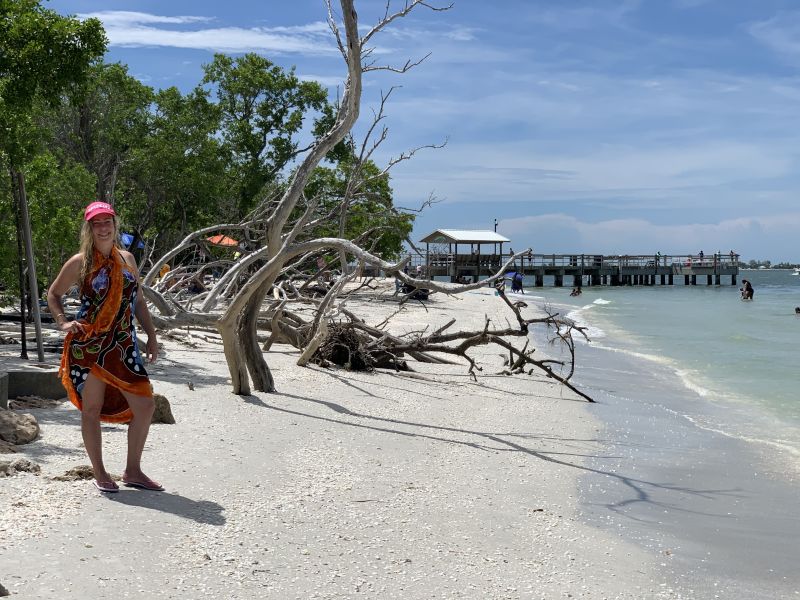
(108, 349)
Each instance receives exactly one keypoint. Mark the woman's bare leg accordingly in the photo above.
(92, 396)
(142, 408)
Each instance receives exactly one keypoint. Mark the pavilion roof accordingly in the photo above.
(464, 236)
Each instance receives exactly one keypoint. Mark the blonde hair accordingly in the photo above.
(87, 246)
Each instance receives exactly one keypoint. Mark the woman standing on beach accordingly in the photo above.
(101, 367)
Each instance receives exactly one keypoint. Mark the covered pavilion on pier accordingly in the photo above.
(442, 255)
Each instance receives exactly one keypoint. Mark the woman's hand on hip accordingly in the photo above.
(151, 348)
(73, 327)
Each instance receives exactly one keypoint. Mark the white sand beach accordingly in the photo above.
(342, 485)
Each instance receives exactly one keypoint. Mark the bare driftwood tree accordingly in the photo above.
(279, 258)
(237, 324)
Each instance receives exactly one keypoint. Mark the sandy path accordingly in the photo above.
(342, 485)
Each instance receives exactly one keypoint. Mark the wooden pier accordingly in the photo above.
(578, 270)
(442, 259)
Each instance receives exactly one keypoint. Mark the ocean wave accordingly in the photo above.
(686, 379)
(656, 358)
(684, 376)
(577, 317)
(786, 446)
(743, 421)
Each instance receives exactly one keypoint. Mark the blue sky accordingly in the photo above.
(627, 126)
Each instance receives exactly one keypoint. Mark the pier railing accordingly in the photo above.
(627, 260)
(597, 269)
(534, 260)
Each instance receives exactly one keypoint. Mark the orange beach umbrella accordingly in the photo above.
(222, 240)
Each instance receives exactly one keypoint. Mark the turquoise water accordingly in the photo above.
(740, 357)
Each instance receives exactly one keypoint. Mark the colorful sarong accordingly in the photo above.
(108, 349)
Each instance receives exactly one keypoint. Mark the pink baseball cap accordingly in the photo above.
(98, 208)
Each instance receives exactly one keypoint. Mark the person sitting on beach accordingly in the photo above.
(196, 285)
(165, 268)
(747, 290)
(576, 292)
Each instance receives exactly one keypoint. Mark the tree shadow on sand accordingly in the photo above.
(640, 489)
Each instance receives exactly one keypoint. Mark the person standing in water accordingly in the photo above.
(747, 290)
(101, 367)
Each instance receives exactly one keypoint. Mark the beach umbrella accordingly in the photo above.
(222, 240)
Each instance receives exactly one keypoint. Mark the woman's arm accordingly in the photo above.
(67, 277)
(142, 313)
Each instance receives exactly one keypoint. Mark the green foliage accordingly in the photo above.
(101, 121)
(178, 177)
(170, 162)
(757, 264)
(9, 275)
(41, 54)
(57, 195)
(263, 109)
(369, 211)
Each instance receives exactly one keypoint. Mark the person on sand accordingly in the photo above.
(101, 367)
(165, 268)
(196, 285)
(516, 283)
(747, 290)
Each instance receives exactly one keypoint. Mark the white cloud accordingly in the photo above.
(647, 173)
(589, 17)
(318, 27)
(326, 80)
(690, 3)
(134, 29)
(753, 236)
(461, 34)
(569, 137)
(457, 33)
(781, 33)
(119, 18)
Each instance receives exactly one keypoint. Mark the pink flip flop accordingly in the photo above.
(108, 487)
(144, 485)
